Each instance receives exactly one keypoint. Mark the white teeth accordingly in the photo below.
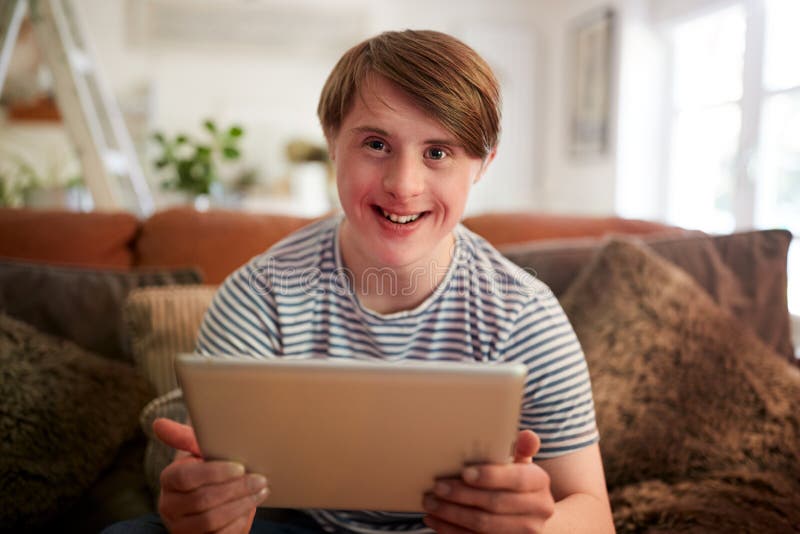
(400, 219)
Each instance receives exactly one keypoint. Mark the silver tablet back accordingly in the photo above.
(342, 434)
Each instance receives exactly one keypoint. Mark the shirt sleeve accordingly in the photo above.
(242, 318)
(557, 400)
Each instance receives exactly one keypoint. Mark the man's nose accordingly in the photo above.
(404, 177)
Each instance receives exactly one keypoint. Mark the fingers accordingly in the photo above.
(527, 446)
(443, 527)
(212, 496)
(235, 516)
(176, 435)
(200, 496)
(494, 498)
(448, 517)
(496, 502)
(190, 473)
(239, 526)
(518, 477)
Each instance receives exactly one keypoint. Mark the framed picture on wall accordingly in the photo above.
(591, 66)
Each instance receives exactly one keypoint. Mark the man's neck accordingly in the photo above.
(397, 288)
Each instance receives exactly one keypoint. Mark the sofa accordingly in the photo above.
(687, 337)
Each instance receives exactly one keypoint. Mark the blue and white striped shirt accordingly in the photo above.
(297, 301)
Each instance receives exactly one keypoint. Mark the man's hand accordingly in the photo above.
(204, 496)
(494, 499)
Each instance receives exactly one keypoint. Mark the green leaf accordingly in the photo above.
(203, 151)
(181, 139)
(158, 136)
(161, 163)
(235, 131)
(210, 126)
(230, 153)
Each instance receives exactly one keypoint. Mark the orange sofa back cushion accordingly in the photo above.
(216, 241)
(67, 238)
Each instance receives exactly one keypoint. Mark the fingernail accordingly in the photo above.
(429, 503)
(440, 488)
(470, 474)
(261, 496)
(256, 482)
(235, 470)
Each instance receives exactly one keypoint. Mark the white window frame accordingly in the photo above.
(754, 96)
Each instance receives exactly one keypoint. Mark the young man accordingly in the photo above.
(412, 122)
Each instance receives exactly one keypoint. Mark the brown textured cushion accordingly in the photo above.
(217, 241)
(64, 413)
(68, 238)
(683, 394)
(744, 272)
(162, 322)
(759, 260)
(82, 305)
(505, 228)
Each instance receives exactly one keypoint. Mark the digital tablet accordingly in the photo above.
(342, 434)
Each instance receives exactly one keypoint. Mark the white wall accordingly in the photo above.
(621, 181)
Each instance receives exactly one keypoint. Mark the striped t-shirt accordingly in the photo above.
(297, 301)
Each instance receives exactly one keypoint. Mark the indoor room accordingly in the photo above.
(647, 172)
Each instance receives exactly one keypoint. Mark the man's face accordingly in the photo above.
(403, 181)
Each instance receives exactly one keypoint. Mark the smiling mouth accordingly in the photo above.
(399, 219)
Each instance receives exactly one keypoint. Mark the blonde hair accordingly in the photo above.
(441, 74)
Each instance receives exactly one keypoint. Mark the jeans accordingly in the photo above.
(290, 523)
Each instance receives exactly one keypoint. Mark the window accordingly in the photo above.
(734, 151)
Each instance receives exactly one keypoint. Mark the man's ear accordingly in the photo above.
(485, 165)
(331, 147)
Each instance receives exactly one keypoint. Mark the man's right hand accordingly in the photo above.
(204, 496)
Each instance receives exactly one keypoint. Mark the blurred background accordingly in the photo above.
(683, 111)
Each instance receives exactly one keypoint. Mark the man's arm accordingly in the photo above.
(578, 485)
(519, 497)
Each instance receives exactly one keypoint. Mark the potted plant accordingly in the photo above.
(194, 166)
(37, 181)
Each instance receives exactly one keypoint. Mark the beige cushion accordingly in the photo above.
(699, 423)
(157, 455)
(162, 322)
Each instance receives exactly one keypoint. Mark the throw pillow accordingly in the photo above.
(64, 412)
(759, 258)
(738, 501)
(682, 391)
(744, 272)
(162, 322)
(158, 455)
(82, 305)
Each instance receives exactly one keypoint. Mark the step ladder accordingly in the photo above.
(91, 114)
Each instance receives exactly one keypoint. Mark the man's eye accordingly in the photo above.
(436, 153)
(375, 144)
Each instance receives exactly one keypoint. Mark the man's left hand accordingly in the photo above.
(494, 499)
